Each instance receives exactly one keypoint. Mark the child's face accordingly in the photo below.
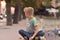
(27, 14)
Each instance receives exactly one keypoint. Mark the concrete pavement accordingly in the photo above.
(11, 32)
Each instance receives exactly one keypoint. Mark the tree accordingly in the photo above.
(8, 12)
(29, 3)
(13, 2)
(17, 12)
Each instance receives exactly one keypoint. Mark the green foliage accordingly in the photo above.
(26, 3)
(48, 3)
(57, 1)
(29, 3)
(13, 2)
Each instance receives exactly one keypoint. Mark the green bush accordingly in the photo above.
(31, 3)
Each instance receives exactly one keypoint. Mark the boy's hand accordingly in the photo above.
(31, 38)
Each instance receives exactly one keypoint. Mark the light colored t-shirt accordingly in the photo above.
(31, 24)
(3, 7)
(3, 4)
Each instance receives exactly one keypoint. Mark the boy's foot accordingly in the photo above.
(21, 38)
(25, 38)
(43, 38)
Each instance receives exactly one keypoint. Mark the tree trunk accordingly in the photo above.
(16, 14)
(8, 12)
(19, 16)
(21, 13)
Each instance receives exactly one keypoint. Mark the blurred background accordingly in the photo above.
(13, 9)
(12, 16)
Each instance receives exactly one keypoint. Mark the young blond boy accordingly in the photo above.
(32, 25)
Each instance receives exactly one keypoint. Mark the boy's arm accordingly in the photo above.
(35, 28)
(35, 32)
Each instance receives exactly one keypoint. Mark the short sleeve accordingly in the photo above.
(35, 22)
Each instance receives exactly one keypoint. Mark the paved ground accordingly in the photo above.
(11, 32)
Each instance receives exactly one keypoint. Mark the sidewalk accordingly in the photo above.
(11, 32)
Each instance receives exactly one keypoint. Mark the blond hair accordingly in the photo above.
(30, 10)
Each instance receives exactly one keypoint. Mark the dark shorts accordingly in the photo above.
(28, 35)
